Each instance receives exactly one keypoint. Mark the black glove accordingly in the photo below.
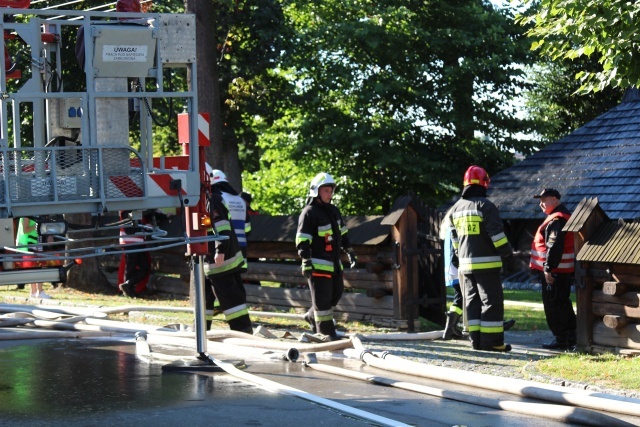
(455, 261)
(509, 263)
(353, 259)
(307, 268)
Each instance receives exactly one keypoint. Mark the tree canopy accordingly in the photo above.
(389, 97)
(606, 30)
(555, 104)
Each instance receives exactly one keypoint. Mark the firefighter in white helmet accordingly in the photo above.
(227, 259)
(320, 239)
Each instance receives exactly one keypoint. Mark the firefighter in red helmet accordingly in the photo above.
(478, 238)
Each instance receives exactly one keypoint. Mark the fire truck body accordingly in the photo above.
(70, 151)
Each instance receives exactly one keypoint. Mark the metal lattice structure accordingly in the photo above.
(71, 150)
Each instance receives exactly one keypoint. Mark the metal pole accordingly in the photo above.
(199, 305)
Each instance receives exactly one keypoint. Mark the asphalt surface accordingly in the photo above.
(102, 382)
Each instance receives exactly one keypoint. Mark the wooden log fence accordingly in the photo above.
(395, 280)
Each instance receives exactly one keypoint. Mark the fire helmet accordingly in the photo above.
(217, 176)
(128, 6)
(476, 175)
(320, 180)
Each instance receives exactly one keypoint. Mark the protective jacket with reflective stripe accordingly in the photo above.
(553, 250)
(477, 232)
(234, 260)
(321, 236)
(238, 215)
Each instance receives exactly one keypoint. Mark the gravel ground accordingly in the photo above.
(519, 363)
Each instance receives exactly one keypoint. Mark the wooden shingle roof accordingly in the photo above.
(601, 159)
(615, 242)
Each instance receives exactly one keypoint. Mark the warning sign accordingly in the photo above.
(124, 53)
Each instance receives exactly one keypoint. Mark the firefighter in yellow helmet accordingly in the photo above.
(320, 239)
(478, 238)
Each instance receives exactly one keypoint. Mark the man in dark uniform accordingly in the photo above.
(478, 238)
(552, 259)
(320, 239)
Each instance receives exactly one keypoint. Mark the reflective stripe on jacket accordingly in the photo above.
(477, 235)
(238, 216)
(321, 236)
(129, 239)
(539, 249)
(234, 260)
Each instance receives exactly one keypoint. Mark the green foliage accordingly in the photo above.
(250, 38)
(556, 104)
(571, 29)
(390, 97)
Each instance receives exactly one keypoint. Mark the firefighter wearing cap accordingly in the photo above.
(478, 238)
(226, 261)
(552, 258)
(320, 239)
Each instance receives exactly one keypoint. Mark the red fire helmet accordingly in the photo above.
(476, 175)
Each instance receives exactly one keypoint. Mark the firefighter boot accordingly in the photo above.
(450, 330)
(128, 289)
(309, 317)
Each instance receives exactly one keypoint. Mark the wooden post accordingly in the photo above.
(584, 292)
(405, 278)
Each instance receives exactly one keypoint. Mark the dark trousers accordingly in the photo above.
(230, 293)
(137, 270)
(485, 308)
(558, 308)
(457, 299)
(326, 291)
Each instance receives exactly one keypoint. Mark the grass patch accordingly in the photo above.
(606, 370)
(527, 318)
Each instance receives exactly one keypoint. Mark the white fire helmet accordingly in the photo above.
(318, 181)
(217, 176)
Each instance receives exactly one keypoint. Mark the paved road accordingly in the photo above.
(101, 382)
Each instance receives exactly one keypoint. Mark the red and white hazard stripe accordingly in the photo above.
(158, 185)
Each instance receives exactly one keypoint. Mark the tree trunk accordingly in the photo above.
(208, 89)
(221, 154)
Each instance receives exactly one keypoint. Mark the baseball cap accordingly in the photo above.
(548, 192)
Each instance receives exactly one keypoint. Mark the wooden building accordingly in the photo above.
(607, 280)
(600, 159)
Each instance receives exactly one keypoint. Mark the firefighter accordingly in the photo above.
(320, 238)
(241, 224)
(455, 312)
(135, 267)
(226, 261)
(478, 238)
(451, 280)
(552, 259)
